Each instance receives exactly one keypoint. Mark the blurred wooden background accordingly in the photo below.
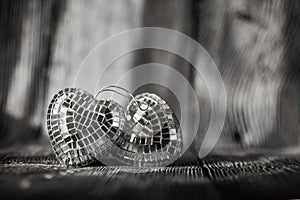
(254, 43)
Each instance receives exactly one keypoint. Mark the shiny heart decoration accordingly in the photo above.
(82, 129)
(76, 127)
(154, 137)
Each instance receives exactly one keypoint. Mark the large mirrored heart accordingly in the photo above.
(78, 124)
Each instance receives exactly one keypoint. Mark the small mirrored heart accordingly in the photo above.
(152, 135)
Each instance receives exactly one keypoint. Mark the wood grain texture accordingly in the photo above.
(254, 43)
(26, 59)
(256, 47)
(31, 172)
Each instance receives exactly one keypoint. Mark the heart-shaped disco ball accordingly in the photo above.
(83, 129)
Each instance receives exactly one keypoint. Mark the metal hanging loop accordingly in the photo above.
(112, 88)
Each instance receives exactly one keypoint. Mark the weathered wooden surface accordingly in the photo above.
(32, 172)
